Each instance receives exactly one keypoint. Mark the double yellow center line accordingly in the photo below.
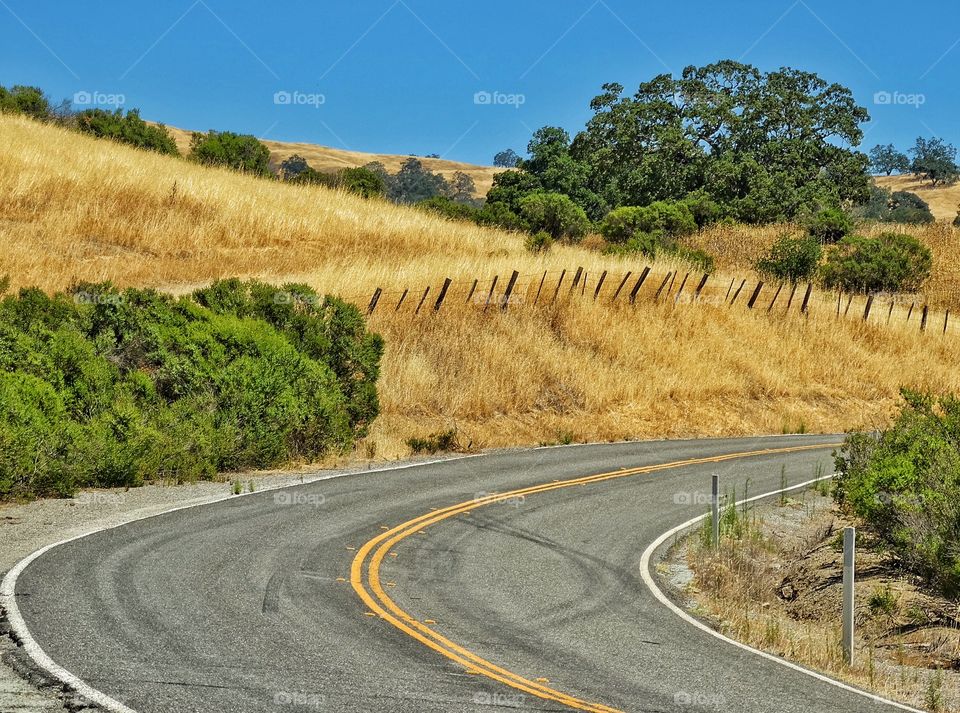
(365, 574)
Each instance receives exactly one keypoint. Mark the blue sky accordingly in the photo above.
(403, 76)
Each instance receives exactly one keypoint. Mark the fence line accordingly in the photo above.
(538, 290)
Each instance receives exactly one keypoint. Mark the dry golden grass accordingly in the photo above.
(737, 248)
(74, 208)
(328, 159)
(943, 200)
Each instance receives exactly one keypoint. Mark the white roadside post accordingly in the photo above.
(715, 504)
(849, 550)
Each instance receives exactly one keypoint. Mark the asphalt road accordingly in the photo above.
(248, 605)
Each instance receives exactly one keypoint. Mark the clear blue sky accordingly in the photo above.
(401, 76)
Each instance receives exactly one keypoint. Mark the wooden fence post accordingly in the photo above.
(910, 311)
(576, 279)
(839, 301)
(493, 286)
(737, 293)
(506, 295)
(806, 298)
(775, 298)
(683, 284)
(890, 311)
(673, 280)
(636, 287)
(849, 302)
(946, 321)
(662, 285)
(703, 283)
(793, 293)
(923, 320)
(622, 283)
(473, 288)
(423, 299)
(374, 300)
(755, 296)
(730, 289)
(583, 285)
(539, 289)
(866, 310)
(443, 294)
(557, 291)
(596, 292)
(402, 298)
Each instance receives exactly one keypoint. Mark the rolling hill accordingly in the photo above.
(327, 159)
(943, 200)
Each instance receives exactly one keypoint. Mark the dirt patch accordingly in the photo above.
(776, 583)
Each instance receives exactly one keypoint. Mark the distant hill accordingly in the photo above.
(325, 158)
(943, 200)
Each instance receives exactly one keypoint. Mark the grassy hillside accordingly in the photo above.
(74, 208)
(943, 200)
(327, 159)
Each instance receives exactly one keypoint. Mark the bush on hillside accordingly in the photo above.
(20, 99)
(897, 207)
(791, 259)
(449, 208)
(499, 215)
(556, 214)
(670, 220)
(888, 263)
(539, 242)
(830, 226)
(361, 181)
(103, 388)
(905, 484)
(224, 148)
(129, 129)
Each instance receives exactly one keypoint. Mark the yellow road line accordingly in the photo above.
(389, 611)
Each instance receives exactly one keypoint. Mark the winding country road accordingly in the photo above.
(431, 588)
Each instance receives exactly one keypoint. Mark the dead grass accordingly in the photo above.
(73, 208)
(328, 159)
(777, 587)
(943, 200)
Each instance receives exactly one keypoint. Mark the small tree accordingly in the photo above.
(934, 160)
(888, 263)
(499, 215)
(887, 160)
(792, 259)
(362, 181)
(129, 129)
(20, 99)
(556, 214)
(670, 220)
(293, 166)
(830, 225)
(506, 159)
(240, 152)
(462, 187)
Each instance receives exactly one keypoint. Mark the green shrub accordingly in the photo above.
(129, 129)
(224, 148)
(888, 263)
(106, 388)
(830, 225)
(539, 242)
(791, 259)
(556, 214)
(671, 220)
(696, 258)
(20, 99)
(499, 215)
(361, 181)
(905, 484)
(449, 208)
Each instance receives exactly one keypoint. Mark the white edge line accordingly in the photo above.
(40, 658)
(665, 600)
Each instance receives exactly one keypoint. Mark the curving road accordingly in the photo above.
(372, 592)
